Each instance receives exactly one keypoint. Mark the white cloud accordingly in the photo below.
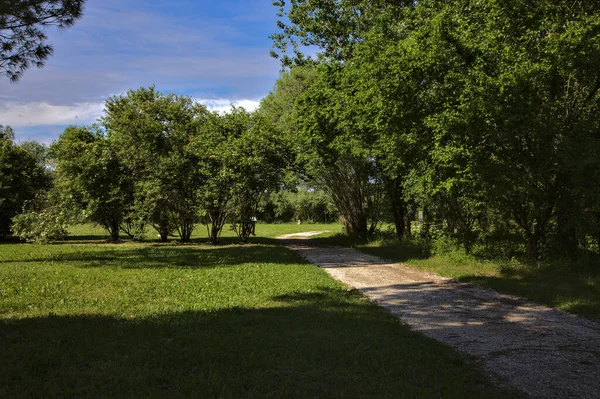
(46, 139)
(44, 114)
(30, 114)
(224, 105)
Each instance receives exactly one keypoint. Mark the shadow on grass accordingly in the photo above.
(96, 239)
(571, 287)
(165, 256)
(315, 345)
(576, 292)
(86, 239)
(398, 251)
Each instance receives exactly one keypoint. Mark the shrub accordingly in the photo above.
(40, 227)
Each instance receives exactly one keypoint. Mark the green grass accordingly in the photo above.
(567, 287)
(89, 232)
(149, 320)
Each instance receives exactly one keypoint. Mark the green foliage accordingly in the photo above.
(261, 161)
(163, 161)
(41, 226)
(150, 133)
(40, 151)
(483, 114)
(336, 153)
(22, 177)
(278, 105)
(91, 177)
(305, 204)
(336, 27)
(215, 146)
(23, 25)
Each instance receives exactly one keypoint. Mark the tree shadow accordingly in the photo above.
(164, 256)
(518, 342)
(223, 241)
(85, 239)
(397, 251)
(574, 291)
(310, 345)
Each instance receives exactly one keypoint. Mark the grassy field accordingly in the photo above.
(83, 319)
(89, 232)
(575, 289)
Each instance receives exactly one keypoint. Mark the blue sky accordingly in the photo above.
(215, 51)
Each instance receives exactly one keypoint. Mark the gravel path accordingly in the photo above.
(541, 351)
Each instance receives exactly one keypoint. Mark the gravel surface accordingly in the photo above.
(540, 351)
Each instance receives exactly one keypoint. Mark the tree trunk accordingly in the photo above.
(394, 190)
(214, 233)
(533, 247)
(186, 229)
(399, 222)
(567, 235)
(113, 230)
(163, 231)
(408, 225)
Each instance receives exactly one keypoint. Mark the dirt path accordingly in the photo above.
(540, 351)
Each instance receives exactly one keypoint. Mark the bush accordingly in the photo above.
(40, 227)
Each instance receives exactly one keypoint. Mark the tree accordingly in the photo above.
(44, 219)
(213, 147)
(336, 152)
(151, 133)
(339, 29)
(279, 105)
(484, 113)
(92, 178)
(22, 31)
(335, 27)
(22, 178)
(260, 161)
(40, 151)
(522, 95)
(308, 204)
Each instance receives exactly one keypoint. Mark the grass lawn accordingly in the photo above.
(573, 289)
(89, 232)
(149, 320)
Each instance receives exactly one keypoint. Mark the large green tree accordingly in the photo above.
(91, 177)
(151, 133)
(23, 25)
(348, 104)
(335, 151)
(520, 94)
(261, 162)
(483, 112)
(22, 178)
(214, 148)
(242, 158)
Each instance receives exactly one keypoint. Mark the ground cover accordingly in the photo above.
(149, 320)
